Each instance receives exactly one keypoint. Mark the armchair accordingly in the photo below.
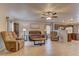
(54, 36)
(11, 42)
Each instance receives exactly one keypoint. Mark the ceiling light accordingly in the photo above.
(49, 15)
(48, 18)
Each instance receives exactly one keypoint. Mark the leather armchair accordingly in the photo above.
(54, 36)
(11, 42)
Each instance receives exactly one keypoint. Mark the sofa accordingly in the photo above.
(36, 36)
(12, 42)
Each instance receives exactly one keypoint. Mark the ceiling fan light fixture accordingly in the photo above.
(49, 15)
(48, 18)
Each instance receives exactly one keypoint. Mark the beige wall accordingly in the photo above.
(3, 22)
(3, 14)
(27, 26)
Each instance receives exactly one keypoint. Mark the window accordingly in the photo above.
(69, 29)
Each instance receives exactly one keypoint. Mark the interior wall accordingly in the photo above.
(3, 22)
(29, 26)
(76, 30)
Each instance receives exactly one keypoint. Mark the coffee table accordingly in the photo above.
(39, 41)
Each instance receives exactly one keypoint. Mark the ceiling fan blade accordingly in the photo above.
(42, 17)
(54, 13)
(54, 16)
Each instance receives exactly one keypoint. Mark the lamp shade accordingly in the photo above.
(24, 29)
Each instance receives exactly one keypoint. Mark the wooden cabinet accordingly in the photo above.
(71, 36)
(16, 28)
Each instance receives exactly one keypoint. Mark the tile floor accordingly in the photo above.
(51, 48)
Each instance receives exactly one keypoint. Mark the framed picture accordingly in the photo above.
(35, 26)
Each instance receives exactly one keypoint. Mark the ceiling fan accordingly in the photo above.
(49, 15)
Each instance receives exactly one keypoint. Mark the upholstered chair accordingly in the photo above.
(54, 36)
(11, 43)
(36, 34)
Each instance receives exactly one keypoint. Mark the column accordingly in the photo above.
(10, 25)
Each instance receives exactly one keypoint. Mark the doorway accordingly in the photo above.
(48, 30)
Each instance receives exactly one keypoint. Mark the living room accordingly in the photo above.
(39, 29)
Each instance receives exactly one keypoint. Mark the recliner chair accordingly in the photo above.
(54, 36)
(12, 43)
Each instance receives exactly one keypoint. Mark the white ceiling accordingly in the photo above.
(32, 11)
